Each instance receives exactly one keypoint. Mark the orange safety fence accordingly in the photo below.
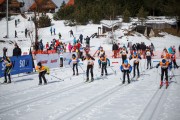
(44, 52)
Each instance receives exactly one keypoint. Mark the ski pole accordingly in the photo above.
(57, 77)
(82, 68)
(145, 65)
(113, 70)
(83, 71)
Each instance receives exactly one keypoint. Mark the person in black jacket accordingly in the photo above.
(81, 38)
(87, 41)
(16, 50)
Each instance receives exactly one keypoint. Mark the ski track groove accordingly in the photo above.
(19, 91)
(154, 112)
(77, 110)
(32, 100)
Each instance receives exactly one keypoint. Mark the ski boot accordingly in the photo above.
(129, 82)
(5, 81)
(123, 82)
(40, 84)
(161, 84)
(87, 80)
(167, 84)
(77, 74)
(92, 79)
(73, 74)
(106, 74)
(9, 81)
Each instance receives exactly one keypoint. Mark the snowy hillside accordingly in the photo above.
(68, 97)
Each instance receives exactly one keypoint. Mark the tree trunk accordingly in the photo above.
(36, 27)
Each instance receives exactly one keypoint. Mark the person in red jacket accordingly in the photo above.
(173, 60)
(47, 45)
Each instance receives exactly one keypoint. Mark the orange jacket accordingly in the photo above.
(42, 68)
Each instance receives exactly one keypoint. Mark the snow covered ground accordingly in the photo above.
(103, 99)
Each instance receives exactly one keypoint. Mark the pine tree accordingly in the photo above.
(126, 16)
(142, 15)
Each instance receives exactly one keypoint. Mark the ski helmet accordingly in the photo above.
(163, 60)
(73, 55)
(126, 62)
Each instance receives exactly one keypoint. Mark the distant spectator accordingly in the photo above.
(81, 38)
(87, 41)
(15, 23)
(170, 50)
(26, 31)
(51, 30)
(60, 36)
(71, 33)
(41, 45)
(174, 49)
(74, 41)
(15, 34)
(54, 31)
(70, 47)
(134, 48)
(115, 49)
(16, 50)
(47, 45)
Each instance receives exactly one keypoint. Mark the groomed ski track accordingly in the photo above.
(81, 107)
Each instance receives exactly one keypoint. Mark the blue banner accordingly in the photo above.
(21, 64)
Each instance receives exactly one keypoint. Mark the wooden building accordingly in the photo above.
(14, 6)
(43, 6)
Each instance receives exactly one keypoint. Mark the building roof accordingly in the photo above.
(13, 3)
(45, 4)
(71, 2)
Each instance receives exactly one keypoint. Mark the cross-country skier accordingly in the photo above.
(8, 67)
(75, 61)
(104, 61)
(136, 57)
(90, 65)
(126, 68)
(148, 57)
(165, 54)
(164, 70)
(42, 71)
(100, 53)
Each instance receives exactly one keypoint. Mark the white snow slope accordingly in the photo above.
(103, 99)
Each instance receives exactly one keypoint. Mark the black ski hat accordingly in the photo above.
(73, 55)
(5, 49)
(39, 64)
